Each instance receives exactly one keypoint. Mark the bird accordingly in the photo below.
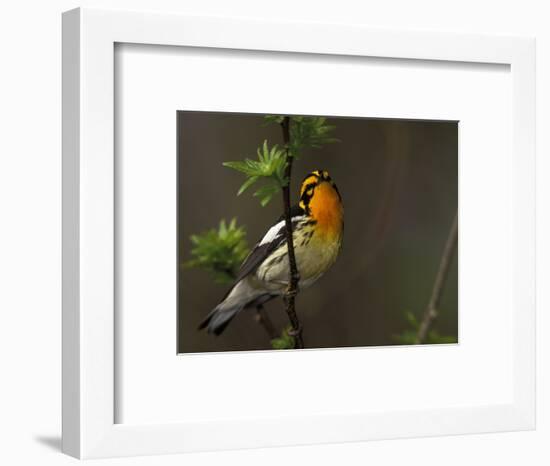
(317, 226)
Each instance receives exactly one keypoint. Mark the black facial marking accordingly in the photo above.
(308, 193)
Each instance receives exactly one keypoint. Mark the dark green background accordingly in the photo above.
(399, 183)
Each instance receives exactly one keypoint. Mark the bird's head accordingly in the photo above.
(320, 199)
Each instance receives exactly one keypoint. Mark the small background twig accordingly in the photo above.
(263, 319)
(431, 311)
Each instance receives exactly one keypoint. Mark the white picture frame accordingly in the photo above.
(89, 336)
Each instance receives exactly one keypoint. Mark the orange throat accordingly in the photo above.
(327, 209)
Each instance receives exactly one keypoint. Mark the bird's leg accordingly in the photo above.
(285, 283)
(296, 279)
(292, 291)
(263, 319)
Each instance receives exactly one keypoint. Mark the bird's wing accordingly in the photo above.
(275, 237)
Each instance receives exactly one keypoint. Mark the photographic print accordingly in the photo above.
(370, 206)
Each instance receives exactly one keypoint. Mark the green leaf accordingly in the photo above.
(219, 251)
(244, 167)
(309, 132)
(269, 168)
(412, 320)
(408, 336)
(273, 119)
(435, 338)
(285, 341)
(267, 191)
(249, 182)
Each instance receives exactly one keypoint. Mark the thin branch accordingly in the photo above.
(292, 289)
(263, 319)
(431, 312)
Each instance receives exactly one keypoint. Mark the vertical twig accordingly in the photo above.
(431, 311)
(292, 289)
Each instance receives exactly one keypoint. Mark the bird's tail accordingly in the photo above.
(219, 318)
(237, 299)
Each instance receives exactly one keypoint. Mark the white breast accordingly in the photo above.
(313, 259)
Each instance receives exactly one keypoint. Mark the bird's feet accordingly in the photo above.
(290, 291)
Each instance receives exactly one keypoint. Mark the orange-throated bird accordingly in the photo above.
(317, 225)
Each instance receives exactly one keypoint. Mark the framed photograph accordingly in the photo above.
(397, 241)
(293, 233)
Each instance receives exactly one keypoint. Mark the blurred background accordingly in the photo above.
(399, 184)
